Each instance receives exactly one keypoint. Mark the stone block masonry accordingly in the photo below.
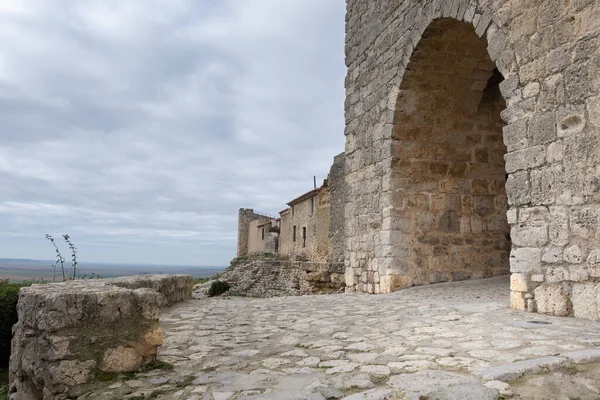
(472, 147)
(69, 335)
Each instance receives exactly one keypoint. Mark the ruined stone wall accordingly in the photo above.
(271, 243)
(322, 246)
(71, 334)
(245, 216)
(285, 233)
(547, 53)
(269, 278)
(336, 185)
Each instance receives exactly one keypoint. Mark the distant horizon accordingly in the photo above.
(85, 262)
(19, 269)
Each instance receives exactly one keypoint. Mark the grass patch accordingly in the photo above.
(201, 280)
(156, 365)
(149, 367)
(111, 376)
(106, 376)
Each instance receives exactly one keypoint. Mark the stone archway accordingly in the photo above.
(549, 56)
(447, 177)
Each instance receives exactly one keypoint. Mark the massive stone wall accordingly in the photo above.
(547, 53)
(71, 334)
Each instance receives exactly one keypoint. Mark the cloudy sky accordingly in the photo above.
(139, 127)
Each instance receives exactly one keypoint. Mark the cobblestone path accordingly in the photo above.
(438, 340)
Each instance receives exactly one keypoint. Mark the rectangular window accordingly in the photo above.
(263, 234)
(303, 236)
(312, 206)
(294, 234)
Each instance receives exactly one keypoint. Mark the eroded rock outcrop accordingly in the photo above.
(260, 276)
(70, 335)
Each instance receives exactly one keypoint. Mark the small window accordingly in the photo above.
(312, 206)
(303, 236)
(263, 234)
(294, 234)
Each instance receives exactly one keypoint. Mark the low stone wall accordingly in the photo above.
(174, 288)
(69, 335)
(271, 278)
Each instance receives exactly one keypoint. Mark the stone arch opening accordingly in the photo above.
(448, 175)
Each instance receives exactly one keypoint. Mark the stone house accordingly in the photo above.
(472, 150)
(305, 226)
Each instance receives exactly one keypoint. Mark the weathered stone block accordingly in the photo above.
(511, 216)
(68, 332)
(518, 189)
(557, 275)
(537, 278)
(530, 157)
(552, 255)
(551, 299)
(525, 260)
(559, 226)
(515, 135)
(593, 263)
(121, 359)
(585, 300)
(556, 152)
(529, 236)
(519, 283)
(573, 255)
(542, 129)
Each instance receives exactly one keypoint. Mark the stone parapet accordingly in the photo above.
(71, 334)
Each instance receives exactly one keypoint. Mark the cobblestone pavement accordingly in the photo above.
(433, 341)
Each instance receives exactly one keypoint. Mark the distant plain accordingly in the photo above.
(21, 269)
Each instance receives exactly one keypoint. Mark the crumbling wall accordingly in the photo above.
(71, 334)
(245, 217)
(336, 184)
(271, 243)
(260, 277)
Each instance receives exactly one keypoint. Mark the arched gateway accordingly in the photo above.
(472, 147)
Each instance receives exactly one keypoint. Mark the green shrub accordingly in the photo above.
(217, 288)
(9, 295)
(3, 392)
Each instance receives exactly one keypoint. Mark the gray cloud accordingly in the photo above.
(141, 127)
